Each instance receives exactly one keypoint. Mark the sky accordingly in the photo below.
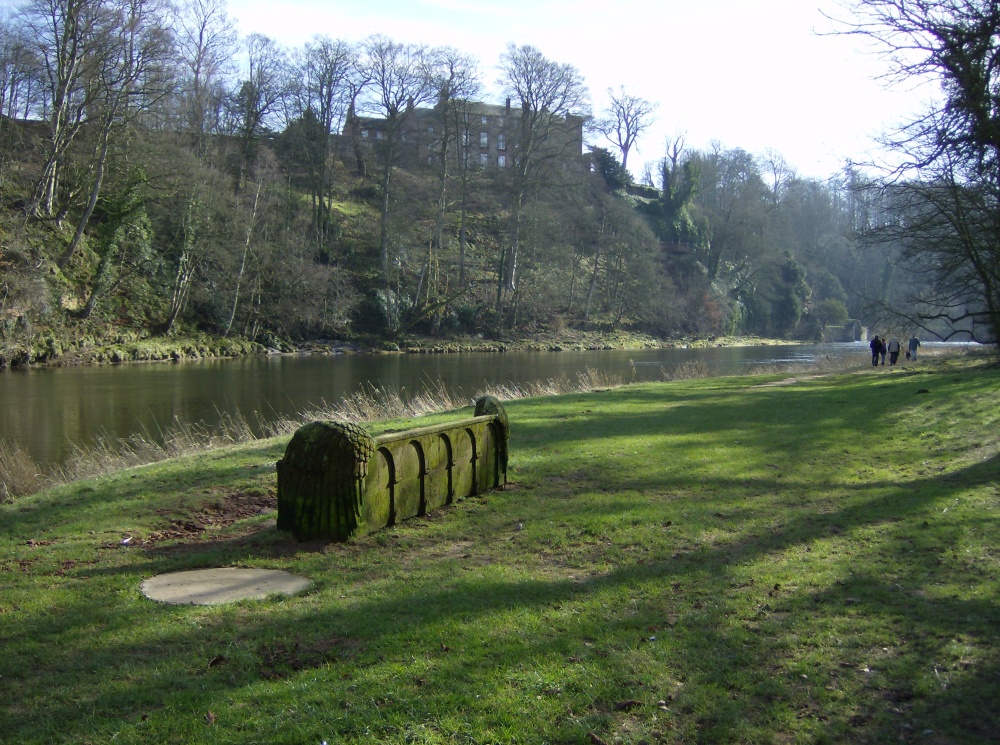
(762, 75)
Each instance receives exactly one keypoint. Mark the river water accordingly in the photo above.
(48, 411)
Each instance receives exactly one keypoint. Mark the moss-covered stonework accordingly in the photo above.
(321, 479)
(336, 481)
(490, 406)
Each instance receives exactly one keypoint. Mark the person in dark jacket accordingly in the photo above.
(876, 347)
(883, 350)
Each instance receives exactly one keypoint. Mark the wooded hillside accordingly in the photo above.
(160, 175)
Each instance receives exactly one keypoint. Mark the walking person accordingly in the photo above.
(883, 350)
(914, 343)
(876, 347)
(893, 351)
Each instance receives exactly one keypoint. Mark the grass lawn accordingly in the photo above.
(749, 559)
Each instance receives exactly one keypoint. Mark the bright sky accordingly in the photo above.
(753, 74)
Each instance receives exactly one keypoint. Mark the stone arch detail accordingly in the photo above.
(411, 468)
(336, 481)
(439, 487)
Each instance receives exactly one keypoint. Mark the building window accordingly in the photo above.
(430, 130)
(465, 137)
(502, 161)
(380, 135)
(484, 120)
(364, 134)
(484, 139)
(484, 159)
(501, 142)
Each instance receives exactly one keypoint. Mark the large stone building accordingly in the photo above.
(487, 134)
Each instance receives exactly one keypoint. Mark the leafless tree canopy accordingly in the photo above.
(944, 194)
(626, 118)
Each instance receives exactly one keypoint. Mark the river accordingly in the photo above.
(48, 411)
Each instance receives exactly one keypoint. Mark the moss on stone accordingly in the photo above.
(488, 405)
(321, 480)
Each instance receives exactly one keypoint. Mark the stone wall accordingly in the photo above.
(336, 481)
(849, 332)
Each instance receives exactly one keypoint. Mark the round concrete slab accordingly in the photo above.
(214, 586)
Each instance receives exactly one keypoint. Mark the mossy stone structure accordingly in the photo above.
(337, 481)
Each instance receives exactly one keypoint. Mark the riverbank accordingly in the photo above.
(87, 350)
(52, 352)
(581, 341)
(714, 560)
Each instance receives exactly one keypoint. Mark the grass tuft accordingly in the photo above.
(687, 371)
(19, 473)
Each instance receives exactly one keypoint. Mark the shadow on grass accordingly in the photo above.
(276, 640)
(139, 494)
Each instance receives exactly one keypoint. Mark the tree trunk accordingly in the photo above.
(593, 282)
(182, 284)
(384, 246)
(510, 262)
(243, 263)
(462, 241)
(572, 285)
(95, 191)
(101, 279)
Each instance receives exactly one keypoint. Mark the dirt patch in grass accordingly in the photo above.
(788, 381)
(280, 660)
(222, 513)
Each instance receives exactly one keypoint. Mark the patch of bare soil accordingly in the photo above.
(788, 381)
(222, 513)
(280, 660)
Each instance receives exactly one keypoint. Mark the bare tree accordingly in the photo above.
(70, 38)
(206, 45)
(251, 217)
(626, 118)
(323, 77)
(20, 89)
(257, 102)
(553, 104)
(187, 261)
(400, 80)
(358, 84)
(456, 78)
(947, 185)
(133, 75)
(20, 73)
(779, 173)
(943, 234)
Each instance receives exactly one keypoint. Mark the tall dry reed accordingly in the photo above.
(19, 473)
(686, 371)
